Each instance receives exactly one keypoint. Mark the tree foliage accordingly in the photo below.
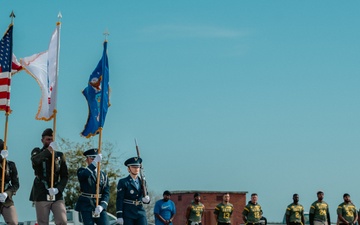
(75, 160)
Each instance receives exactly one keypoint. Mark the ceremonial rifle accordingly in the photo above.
(142, 175)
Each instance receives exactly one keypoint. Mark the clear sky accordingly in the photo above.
(256, 96)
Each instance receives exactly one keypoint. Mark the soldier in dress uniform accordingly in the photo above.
(11, 185)
(86, 203)
(130, 197)
(44, 196)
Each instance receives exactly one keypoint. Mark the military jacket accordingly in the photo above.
(87, 177)
(127, 192)
(11, 181)
(41, 163)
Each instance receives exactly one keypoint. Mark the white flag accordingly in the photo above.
(43, 67)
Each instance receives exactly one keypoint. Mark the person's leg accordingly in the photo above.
(103, 219)
(141, 221)
(59, 211)
(10, 215)
(87, 218)
(42, 212)
(129, 221)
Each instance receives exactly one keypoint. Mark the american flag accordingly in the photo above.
(5, 69)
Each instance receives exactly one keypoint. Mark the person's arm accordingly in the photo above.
(38, 156)
(14, 180)
(311, 218)
(287, 219)
(161, 218)
(105, 193)
(187, 215)
(303, 218)
(328, 215)
(202, 214)
(216, 213)
(157, 209)
(355, 217)
(173, 212)
(121, 188)
(244, 214)
(64, 174)
(341, 219)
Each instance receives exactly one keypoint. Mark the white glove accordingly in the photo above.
(146, 199)
(98, 209)
(53, 191)
(3, 196)
(54, 146)
(4, 154)
(120, 221)
(97, 159)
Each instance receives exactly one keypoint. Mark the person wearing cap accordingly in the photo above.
(319, 211)
(130, 196)
(195, 211)
(295, 212)
(11, 185)
(347, 212)
(252, 212)
(164, 210)
(45, 197)
(224, 210)
(86, 203)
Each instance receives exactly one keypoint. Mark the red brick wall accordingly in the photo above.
(210, 199)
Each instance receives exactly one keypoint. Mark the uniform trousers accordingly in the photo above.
(89, 220)
(9, 214)
(139, 221)
(57, 208)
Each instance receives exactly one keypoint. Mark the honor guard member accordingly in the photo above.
(130, 197)
(44, 197)
(11, 185)
(195, 211)
(86, 203)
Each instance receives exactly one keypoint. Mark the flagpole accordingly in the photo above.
(7, 113)
(106, 33)
(5, 147)
(98, 168)
(58, 25)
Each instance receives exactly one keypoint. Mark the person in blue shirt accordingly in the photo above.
(164, 210)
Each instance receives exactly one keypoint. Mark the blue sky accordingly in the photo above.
(256, 96)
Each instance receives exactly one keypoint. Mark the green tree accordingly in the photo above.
(75, 159)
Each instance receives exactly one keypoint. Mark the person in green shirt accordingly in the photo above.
(319, 211)
(252, 212)
(194, 211)
(347, 213)
(295, 212)
(224, 210)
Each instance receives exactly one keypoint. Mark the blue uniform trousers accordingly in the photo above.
(89, 220)
(141, 220)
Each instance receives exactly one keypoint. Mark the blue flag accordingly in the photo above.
(97, 96)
